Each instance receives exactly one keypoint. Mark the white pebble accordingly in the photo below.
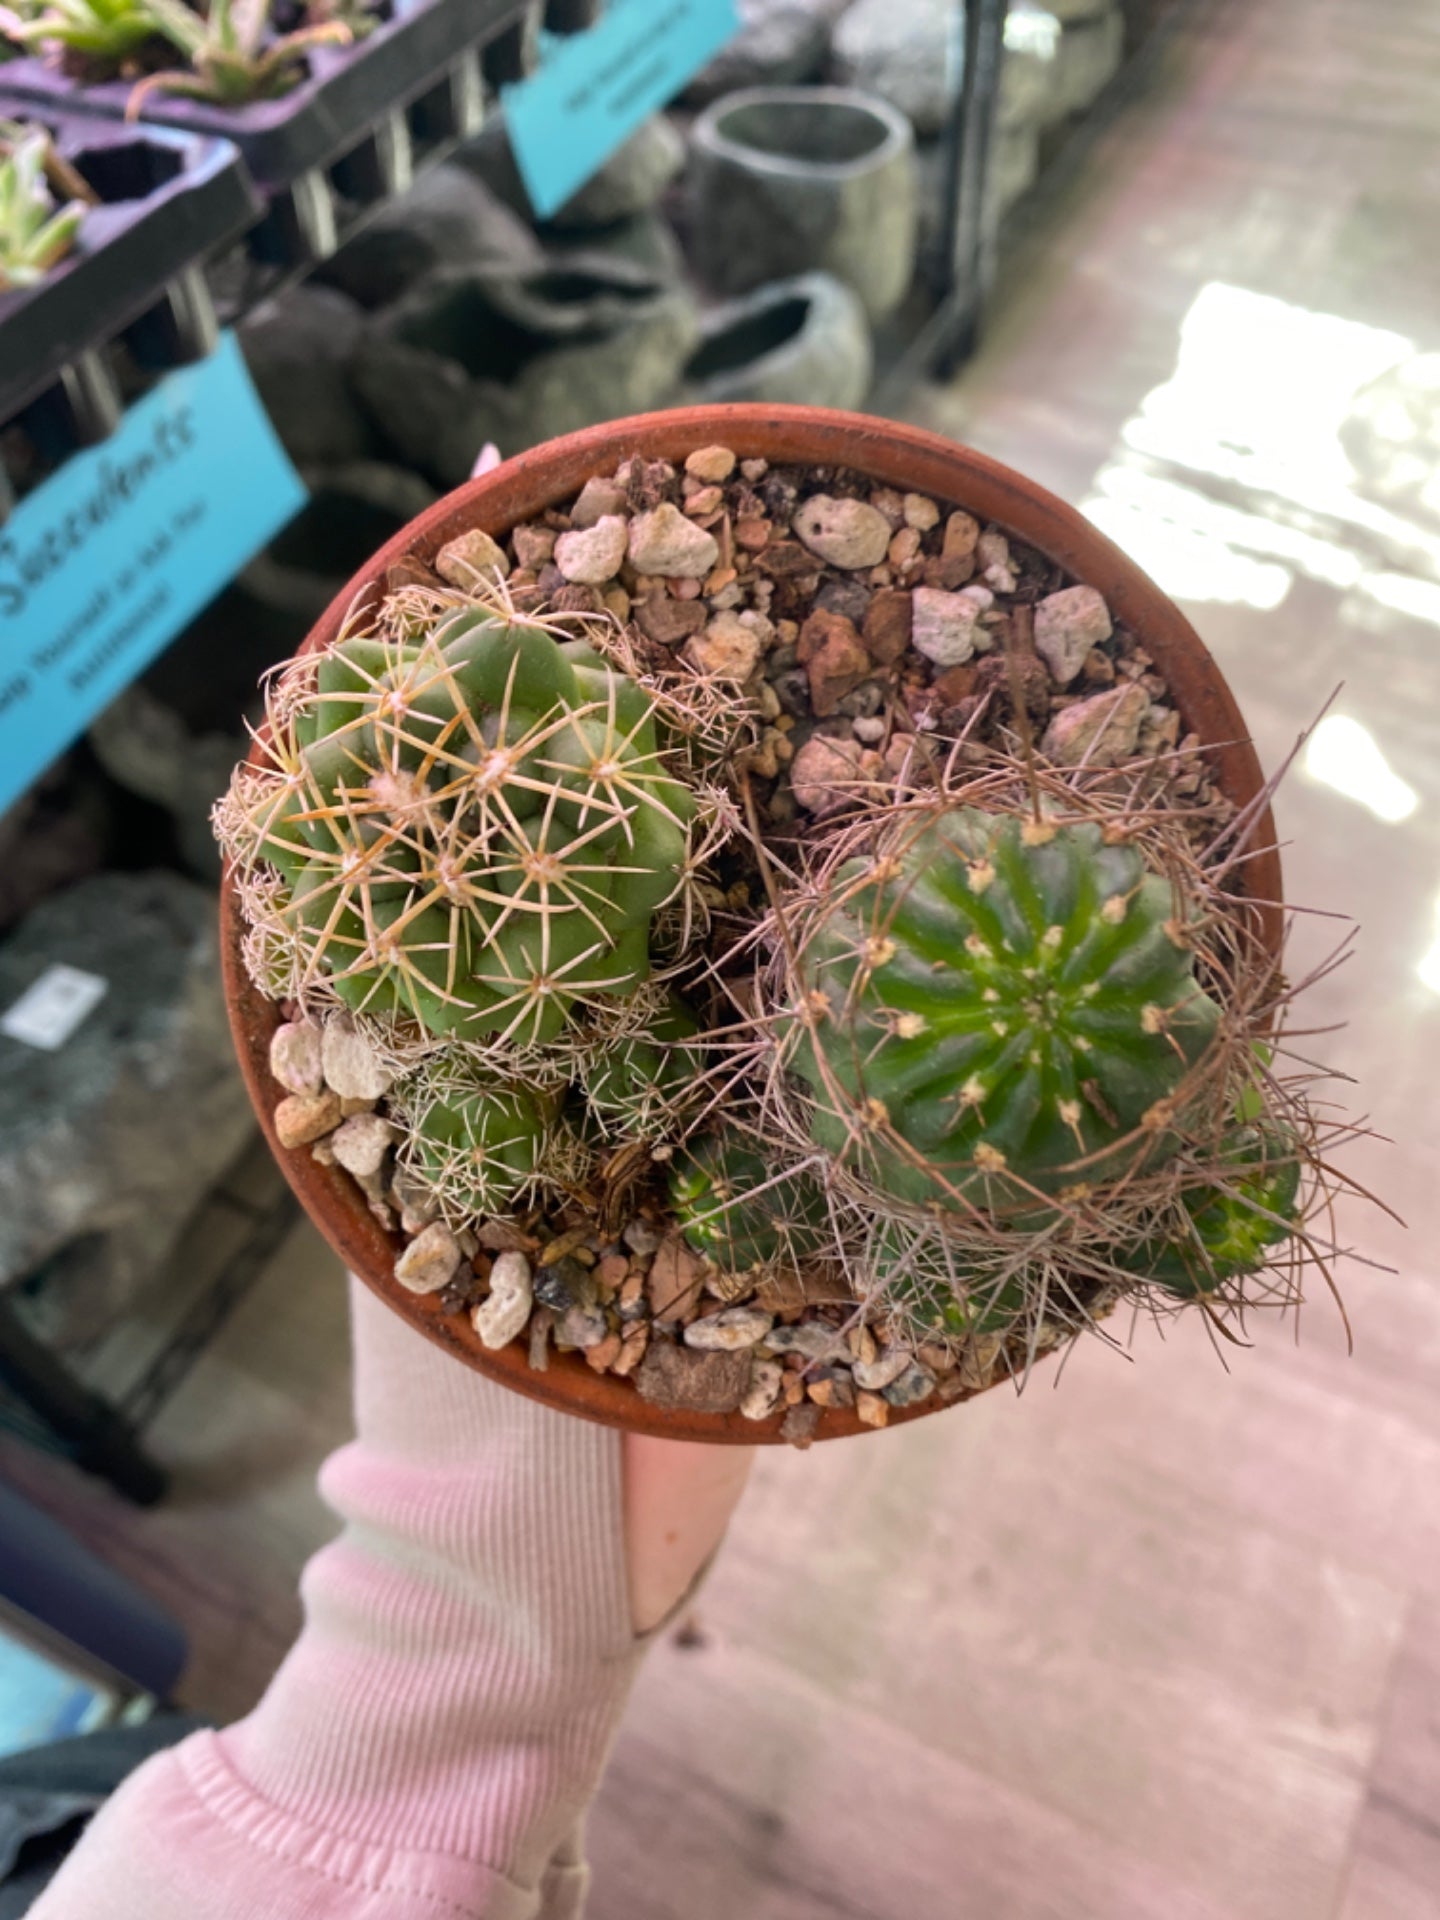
(353, 1069)
(846, 533)
(727, 649)
(664, 542)
(473, 556)
(766, 1379)
(499, 1318)
(590, 556)
(875, 1375)
(295, 1056)
(430, 1259)
(1067, 625)
(729, 1330)
(361, 1143)
(943, 628)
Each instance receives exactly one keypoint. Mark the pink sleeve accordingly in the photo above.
(430, 1743)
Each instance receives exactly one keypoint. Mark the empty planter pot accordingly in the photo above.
(804, 340)
(791, 178)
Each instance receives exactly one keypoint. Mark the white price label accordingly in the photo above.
(52, 1007)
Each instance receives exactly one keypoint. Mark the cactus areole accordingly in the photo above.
(994, 1008)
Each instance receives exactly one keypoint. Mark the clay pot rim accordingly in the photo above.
(907, 458)
(708, 135)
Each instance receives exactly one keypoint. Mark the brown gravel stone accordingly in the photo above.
(613, 1270)
(410, 571)
(799, 1426)
(471, 557)
(632, 1349)
(832, 1390)
(962, 535)
(686, 1379)
(1098, 732)
(711, 464)
(597, 500)
(676, 1276)
(955, 683)
(534, 546)
(826, 773)
(501, 1235)
(668, 621)
(603, 1356)
(887, 625)
(788, 1292)
(303, 1117)
(727, 649)
(903, 547)
(785, 560)
(872, 1409)
(829, 648)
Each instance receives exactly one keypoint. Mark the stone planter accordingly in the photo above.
(891, 456)
(787, 179)
(517, 358)
(804, 340)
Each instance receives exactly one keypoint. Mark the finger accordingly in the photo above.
(679, 1496)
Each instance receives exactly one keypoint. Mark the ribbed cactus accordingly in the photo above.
(995, 1008)
(713, 1189)
(635, 1079)
(472, 1141)
(1226, 1231)
(475, 826)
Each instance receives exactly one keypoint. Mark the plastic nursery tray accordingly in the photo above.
(168, 199)
(348, 91)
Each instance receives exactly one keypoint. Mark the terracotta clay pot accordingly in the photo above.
(896, 456)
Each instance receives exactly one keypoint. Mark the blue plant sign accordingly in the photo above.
(594, 88)
(113, 555)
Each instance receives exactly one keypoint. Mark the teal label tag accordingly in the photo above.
(114, 554)
(594, 88)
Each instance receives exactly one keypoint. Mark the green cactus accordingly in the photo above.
(937, 1295)
(1226, 1231)
(636, 1079)
(476, 827)
(472, 1142)
(997, 1009)
(713, 1192)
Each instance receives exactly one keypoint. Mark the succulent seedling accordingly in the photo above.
(35, 233)
(233, 55)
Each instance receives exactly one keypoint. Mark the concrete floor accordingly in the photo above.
(1162, 1642)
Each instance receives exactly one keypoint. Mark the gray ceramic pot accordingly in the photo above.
(804, 340)
(786, 179)
(517, 358)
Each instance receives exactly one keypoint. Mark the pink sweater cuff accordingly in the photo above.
(430, 1743)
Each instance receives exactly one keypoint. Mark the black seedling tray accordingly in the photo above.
(168, 199)
(348, 91)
